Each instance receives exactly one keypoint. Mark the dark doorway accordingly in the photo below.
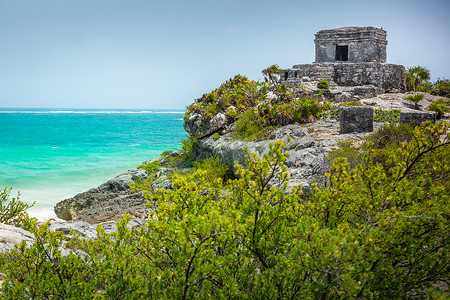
(341, 53)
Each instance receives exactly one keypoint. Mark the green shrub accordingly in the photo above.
(215, 136)
(392, 116)
(323, 84)
(416, 98)
(12, 210)
(332, 112)
(251, 126)
(350, 103)
(303, 110)
(440, 106)
(348, 150)
(441, 88)
(212, 169)
(186, 148)
(238, 92)
(370, 233)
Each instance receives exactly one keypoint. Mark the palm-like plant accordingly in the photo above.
(415, 76)
(270, 72)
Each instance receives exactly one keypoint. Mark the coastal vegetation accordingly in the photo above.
(12, 210)
(416, 98)
(238, 92)
(378, 228)
(418, 79)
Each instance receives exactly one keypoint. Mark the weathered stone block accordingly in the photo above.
(416, 118)
(356, 119)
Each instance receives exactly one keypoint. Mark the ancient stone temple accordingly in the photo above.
(350, 56)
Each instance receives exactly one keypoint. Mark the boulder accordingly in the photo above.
(12, 235)
(200, 127)
(307, 147)
(109, 201)
(417, 117)
(356, 119)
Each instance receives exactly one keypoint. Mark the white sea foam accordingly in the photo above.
(88, 112)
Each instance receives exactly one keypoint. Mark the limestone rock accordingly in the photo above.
(199, 127)
(356, 119)
(307, 146)
(108, 201)
(84, 229)
(417, 117)
(11, 235)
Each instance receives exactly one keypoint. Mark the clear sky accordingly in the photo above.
(164, 54)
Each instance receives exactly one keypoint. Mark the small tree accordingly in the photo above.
(270, 72)
(12, 211)
(415, 99)
(415, 76)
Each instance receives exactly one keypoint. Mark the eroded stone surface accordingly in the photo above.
(108, 201)
(356, 119)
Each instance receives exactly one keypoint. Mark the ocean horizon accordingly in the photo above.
(51, 154)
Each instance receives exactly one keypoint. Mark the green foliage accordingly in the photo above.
(440, 106)
(351, 103)
(212, 169)
(323, 84)
(150, 166)
(416, 98)
(215, 136)
(12, 210)
(186, 150)
(348, 150)
(332, 112)
(416, 78)
(392, 116)
(238, 92)
(303, 110)
(371, 233)
(251, 126)
(441, 88)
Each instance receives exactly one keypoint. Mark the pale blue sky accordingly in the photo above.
(164, 54)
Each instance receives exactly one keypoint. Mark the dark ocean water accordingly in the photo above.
(52, 154)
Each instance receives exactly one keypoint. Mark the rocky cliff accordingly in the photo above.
(308, 145)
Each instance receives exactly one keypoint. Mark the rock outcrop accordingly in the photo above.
(109, 201)
(11, 235)
(200, 127)
(307, 145)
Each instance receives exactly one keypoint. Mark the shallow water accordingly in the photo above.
(52, 154)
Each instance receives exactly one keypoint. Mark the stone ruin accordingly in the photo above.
(350, 57)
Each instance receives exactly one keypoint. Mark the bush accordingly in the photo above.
(12, 211)
(392, 116)
(303, 110)
(251, 126)
(416, 98)
(323, 84)
(238, 92)
(370, 233)
(186, 148)
(440, 106)
(345, 149)
(441, 88)
(212, 169)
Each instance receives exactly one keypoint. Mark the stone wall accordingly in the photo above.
(416, 118)
(389, 77)
(355, 119)
(364, 44)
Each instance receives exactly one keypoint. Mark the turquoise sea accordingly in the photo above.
(52, 154)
